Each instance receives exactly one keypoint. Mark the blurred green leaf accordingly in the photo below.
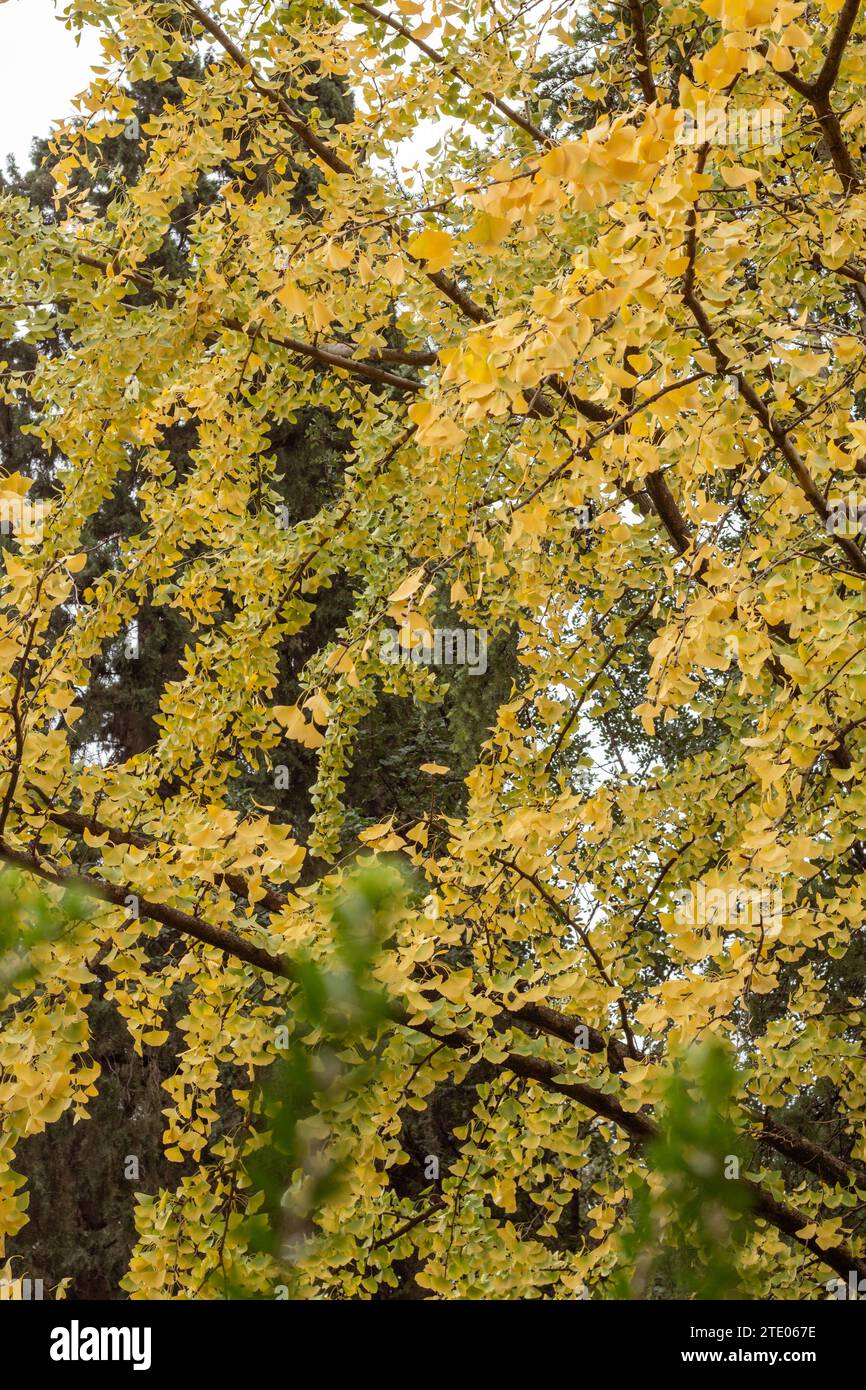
(689, 1223)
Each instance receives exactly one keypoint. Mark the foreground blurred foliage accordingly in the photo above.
(30, 920)
(688, 1221)
(336, 1011)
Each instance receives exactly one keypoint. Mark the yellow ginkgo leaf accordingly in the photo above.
(408, 587)
(293, 298)
(737, 175)
(436, 248)
(297, 727)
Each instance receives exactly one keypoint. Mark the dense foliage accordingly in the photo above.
(582, 392)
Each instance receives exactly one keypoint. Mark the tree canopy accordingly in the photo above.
(578, 299)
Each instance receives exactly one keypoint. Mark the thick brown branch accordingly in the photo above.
(71, 820)
(826, 78)
(119, 895)
(817, 93)
(644, 66)
(825, 1165)
(328, 357)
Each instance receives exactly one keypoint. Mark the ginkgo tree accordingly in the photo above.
(623, 419)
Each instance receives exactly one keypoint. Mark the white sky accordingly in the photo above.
(41, 70)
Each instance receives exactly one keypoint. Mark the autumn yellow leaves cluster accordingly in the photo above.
(571, 310)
